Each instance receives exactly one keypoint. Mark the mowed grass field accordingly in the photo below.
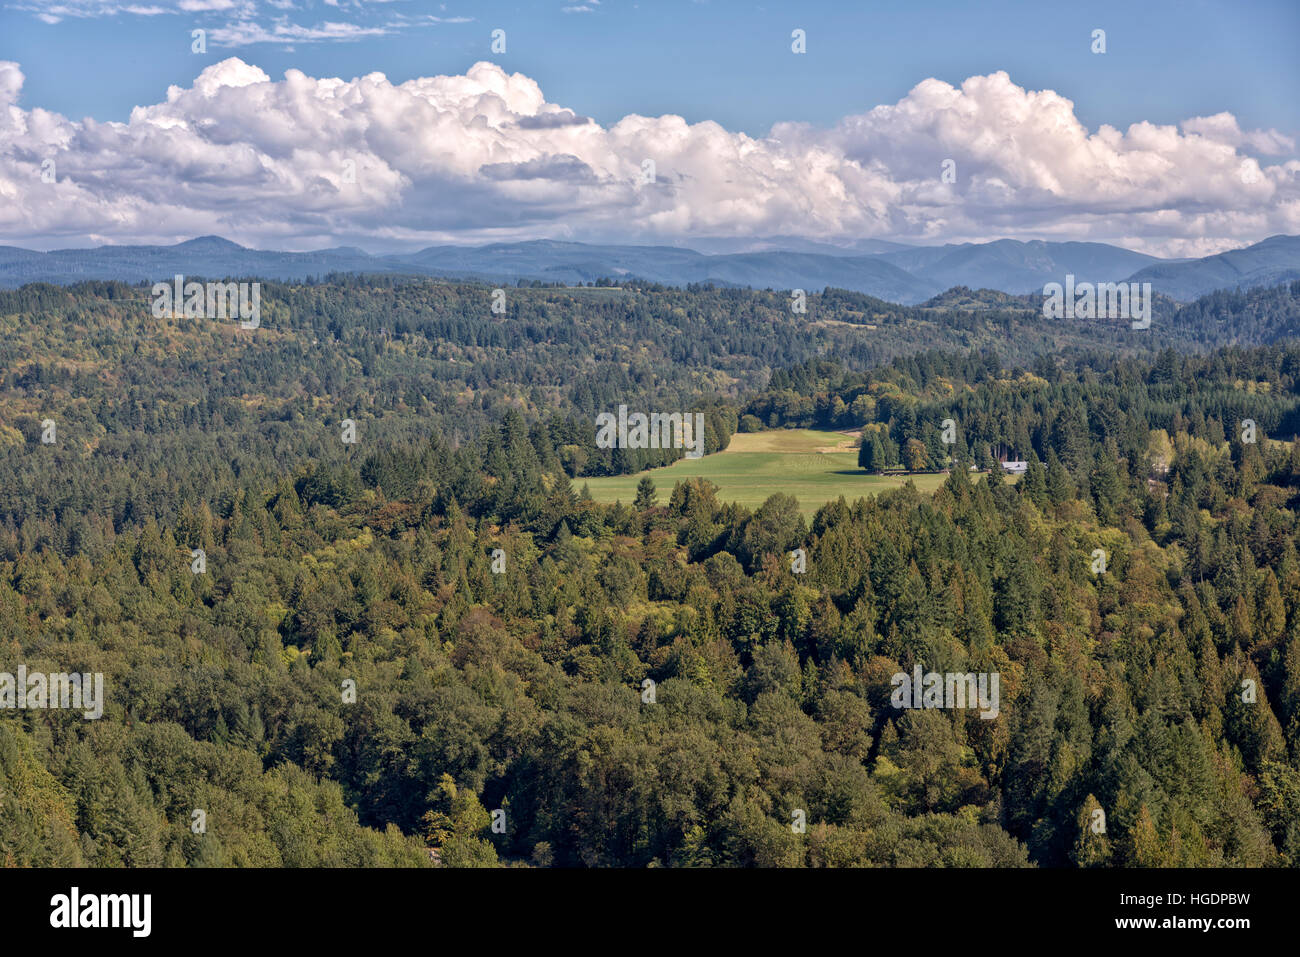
(815, 467)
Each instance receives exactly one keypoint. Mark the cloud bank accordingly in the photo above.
(304, 162)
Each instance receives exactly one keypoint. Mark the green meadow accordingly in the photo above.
(815, 467)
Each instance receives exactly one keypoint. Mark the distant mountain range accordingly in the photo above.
(890, 271)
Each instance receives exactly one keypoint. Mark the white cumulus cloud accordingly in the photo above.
(302, 161)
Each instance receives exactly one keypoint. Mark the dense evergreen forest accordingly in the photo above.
(542, 680)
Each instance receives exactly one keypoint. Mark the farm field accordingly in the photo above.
(815, 467)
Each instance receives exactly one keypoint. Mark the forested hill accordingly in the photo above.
(409, 360)
(500, 628)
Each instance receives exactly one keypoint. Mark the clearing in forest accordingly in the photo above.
(814, 466)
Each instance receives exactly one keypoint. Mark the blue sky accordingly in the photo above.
(1180, 139)
(1166, 60)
